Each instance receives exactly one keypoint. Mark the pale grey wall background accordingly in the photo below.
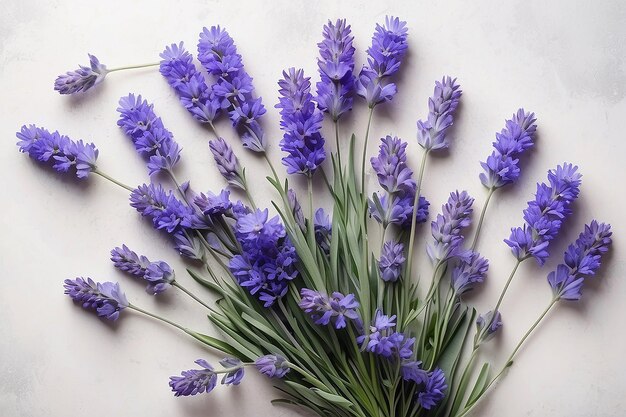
(563, 60)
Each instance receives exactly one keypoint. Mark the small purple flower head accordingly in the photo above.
(324, 310)
(106, 298)
(165, 210)
(296, 209)
(194, 381)
(487, 325)
(545, 214)
(336, 66)
(189, 246)
(470, 270)
(431, 133)
(389, 46)
(434, 391)
(181, 74)
(227, 162)
(235, 376)
(447, 228)
(323, 229)
(164, 158)
(302, 123)
(383, 341)
(582, 260)
(126, 260)
(501, 167)
(81, 79)
(273, 366)
(412, 371)
(159, 276)
(391, 261)
(212, 204)
(390, 166)
(57, 150)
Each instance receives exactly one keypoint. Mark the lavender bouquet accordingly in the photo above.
(327, 302)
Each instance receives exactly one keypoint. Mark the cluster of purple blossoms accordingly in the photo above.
(272, 366)
(396, 178)
(147, 132)
(582, 260)
(432, 384)
(323, 230)
(301, 121)
(431, 133)
(268, 259)
(389, 45)
(106, 298)
(385, 342)
(447, 228)
(391, 261)
(501, 167)
(336, 66)
(227, 163)
(81, 79)
(59, 150)
(324, 309)
(158, 275)
(197, 381)
(487, 325)
(181, 74)
(162, 207)
(470, 270)
(545, 214)
(234, 91)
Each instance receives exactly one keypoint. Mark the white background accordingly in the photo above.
(563, 60)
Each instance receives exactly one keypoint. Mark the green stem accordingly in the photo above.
(267, 159)
(367, 134)
(247, 191)
(190, 294)
(336, 122)
(482, 218)
(506, 286)
(212, 126)
(154, 316)
(154, 64)
(456, 400)
(307, 375)
(409, 264)
(113, 180)
(311, 226)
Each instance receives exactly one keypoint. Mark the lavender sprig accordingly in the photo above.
(159, 276)
(447, 228)
(337, 308)
(81, 79)
(431, 133)
(106, 298)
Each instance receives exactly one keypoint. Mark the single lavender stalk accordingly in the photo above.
(159, 276)
(227, 163)
(391, 261)
(106, 298)
(470, 270)
(302, 123)
(323, 309)
(501, 167)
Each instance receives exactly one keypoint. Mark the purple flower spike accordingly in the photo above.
(81, 79)
(384, 58)
(447, 228)
(159, 276)
(324, 310)
(470, 270)
(182, 75)
(273, 366)
(227, 163)
(383, 341)
(545, 214)
(106, 298)
(431, 133)
(165, 210)
(412, 371)
(194, 381)
(391, 261)
(336, 66)
(218, 54)
(301, 122)
(582, 260)
(214, 205)
(126, 260)
(501, 167)
(487, 325)
(57, 150)
(235, 376)
(434, 391)
(323, 229)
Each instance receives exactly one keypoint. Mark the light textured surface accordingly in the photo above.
(563, 60)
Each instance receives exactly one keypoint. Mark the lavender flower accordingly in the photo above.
(301, 122)
(235, 376)
(487, 325)
(412, 371)
(336, 66)
(214, 205)
(268, 259)
(434, 391)
(218, 54)
(384, 58)
(582, 260)
(165, 210)
(323, 309)
(296, 209)
(273, 366)
(501, 167)
(81, 79)
(385, 342)
(181, 74)
(391, 261)
(194, 381)
(447, 228)
(431, 133)
(470, 271)
(323, 229)
(58, 150)
(227, 163)
(189, 246)
(545, 214)
(159, 275)
(106, 298)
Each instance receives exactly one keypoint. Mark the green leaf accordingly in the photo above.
(205, 282)
(335, 399)
(480, 385)
(218, 344)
